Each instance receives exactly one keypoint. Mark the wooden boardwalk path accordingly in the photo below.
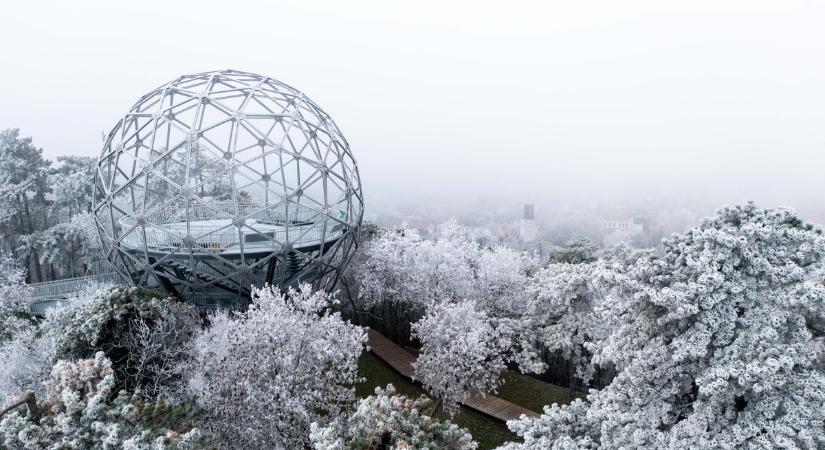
(401, 360)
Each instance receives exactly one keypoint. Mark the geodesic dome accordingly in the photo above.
(221, 180)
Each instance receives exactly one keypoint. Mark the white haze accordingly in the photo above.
(561, 103)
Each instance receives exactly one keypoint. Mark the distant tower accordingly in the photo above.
(529, 227)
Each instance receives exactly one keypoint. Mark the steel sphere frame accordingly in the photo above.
(221, 180)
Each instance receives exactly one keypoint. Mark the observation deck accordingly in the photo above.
(232, 231)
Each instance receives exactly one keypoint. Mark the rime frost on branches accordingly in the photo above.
(80, 414)
(13, 295)
(25, 357)
(23, 204)
(562, 313)
(389, 420)
(452, 268)
(577, 251)
(401, 267)
(565, 309)
(501, 274)
(26, 363)
(560, 307)
(144, 334)
(718, 343)
(71, 186)
(67, 248)
(460, 352)
(264, 375)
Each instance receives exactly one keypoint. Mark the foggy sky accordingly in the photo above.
(611, 102)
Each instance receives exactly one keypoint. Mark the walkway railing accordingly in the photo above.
(50, 293)
(60, 288)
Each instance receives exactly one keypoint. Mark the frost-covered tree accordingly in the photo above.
(718, 343)
(578, 250)
(501, 274)
(264, 375)
(13, 296)
(402, 267)
(461, 352)
(399, 266)
(388, 420)
(27, 360)
(25, 355)
(67, 249)
(23, 189)
(157, 351)
(561, 311)
(81, 411)
(72, 186)
(144, 334)
(562, 314)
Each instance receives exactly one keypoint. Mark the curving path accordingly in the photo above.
(401, 360)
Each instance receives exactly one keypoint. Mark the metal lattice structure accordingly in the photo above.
(221, 180)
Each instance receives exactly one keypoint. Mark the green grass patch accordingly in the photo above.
(532, 393)
(488, 432)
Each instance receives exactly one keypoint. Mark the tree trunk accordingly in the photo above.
(435, 408)
(31, 402)
(571, 389)
(35, 257)
(34, 411)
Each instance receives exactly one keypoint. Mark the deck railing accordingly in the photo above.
(292, 214)
(211, 239)
(165, 231)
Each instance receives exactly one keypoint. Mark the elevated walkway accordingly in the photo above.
(43, 296)
(50, 293)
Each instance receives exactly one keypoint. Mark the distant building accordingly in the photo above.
(623, 229)
(529, 226)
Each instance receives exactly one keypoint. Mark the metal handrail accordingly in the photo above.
(47, 294)
(305, 226)
(58, 288)
(157, 239)
(291, 213)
